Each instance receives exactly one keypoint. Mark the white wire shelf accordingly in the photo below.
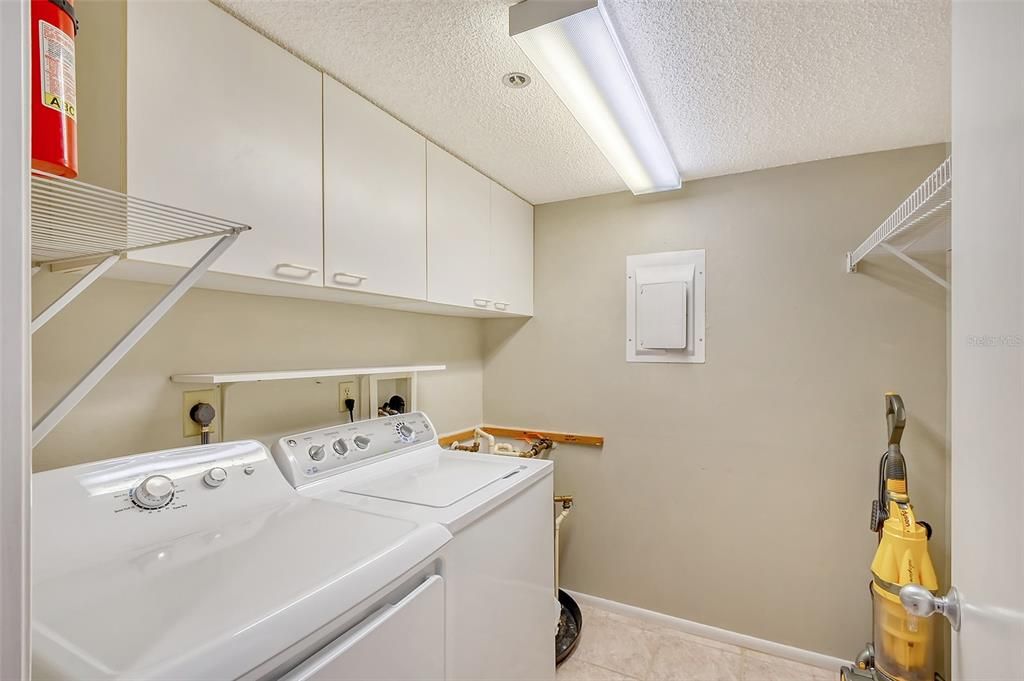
(77, 222)
(926, 210)
(73, 220)
(253, 376)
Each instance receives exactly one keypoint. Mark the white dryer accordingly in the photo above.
(501, 610)
(204, 563)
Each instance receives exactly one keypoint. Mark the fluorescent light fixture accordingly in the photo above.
(573, 45)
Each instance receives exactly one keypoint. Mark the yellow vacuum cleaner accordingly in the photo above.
(903, 648)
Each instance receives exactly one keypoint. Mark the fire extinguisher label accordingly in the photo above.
(57, 69)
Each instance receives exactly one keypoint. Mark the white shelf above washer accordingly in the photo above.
(924, 212)
(254, 376)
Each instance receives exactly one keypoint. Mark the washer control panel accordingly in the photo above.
(315, 454)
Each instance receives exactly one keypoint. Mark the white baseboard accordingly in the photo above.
(713, 633)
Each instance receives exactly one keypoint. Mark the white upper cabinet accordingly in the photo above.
(375, 192)
(342, 198)
(222, 121)
(511, 249)
(458, 226)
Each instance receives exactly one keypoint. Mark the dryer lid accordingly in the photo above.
(437, 483)
(218, 603)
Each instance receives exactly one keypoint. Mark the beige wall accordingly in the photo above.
(735, 493)
(136, 408)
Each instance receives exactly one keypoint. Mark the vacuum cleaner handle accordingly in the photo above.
(891, 463)
(895, 417)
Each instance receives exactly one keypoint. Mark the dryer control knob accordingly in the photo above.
(156, 491)
(316, 452)
(340, 446)
(361, 441)
(406, 432)
(215, 477)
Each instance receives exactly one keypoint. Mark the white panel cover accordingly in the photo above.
(665, 307)
(661, 307)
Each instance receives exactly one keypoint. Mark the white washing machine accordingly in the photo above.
(204, 563)
(501, 610)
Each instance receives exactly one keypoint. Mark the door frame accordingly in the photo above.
(15, 344)
(987, 338)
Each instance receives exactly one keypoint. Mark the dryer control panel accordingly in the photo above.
(110, 507)
(316, 454)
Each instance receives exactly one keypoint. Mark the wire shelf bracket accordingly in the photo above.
(927, 208)
(74, 222)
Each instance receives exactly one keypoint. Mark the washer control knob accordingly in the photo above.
(361, 441)
(406, 432)
(156, 491)
(317, 453)
(215, 477)
(340, 446)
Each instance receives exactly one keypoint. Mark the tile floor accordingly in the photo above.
(619, 648)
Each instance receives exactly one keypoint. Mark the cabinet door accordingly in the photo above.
(511, 240)
(223, 121)
(458, 222)
(375, 191)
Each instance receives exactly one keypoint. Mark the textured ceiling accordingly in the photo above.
(735, 85)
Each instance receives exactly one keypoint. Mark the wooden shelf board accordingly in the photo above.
(515, 433)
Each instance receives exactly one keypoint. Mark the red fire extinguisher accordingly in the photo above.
(54, 104)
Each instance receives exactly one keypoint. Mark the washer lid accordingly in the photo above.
(438, 483)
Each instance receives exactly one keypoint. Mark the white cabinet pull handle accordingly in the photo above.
(304, 272)
(359, 278)
(481, 302)
(500, 305)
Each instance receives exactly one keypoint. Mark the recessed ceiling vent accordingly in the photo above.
(515, 80)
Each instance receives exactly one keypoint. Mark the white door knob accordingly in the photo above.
(921, 602)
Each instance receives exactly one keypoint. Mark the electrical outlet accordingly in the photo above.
(347, 391)
(189, 398)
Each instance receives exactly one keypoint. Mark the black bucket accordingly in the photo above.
(570, 626)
